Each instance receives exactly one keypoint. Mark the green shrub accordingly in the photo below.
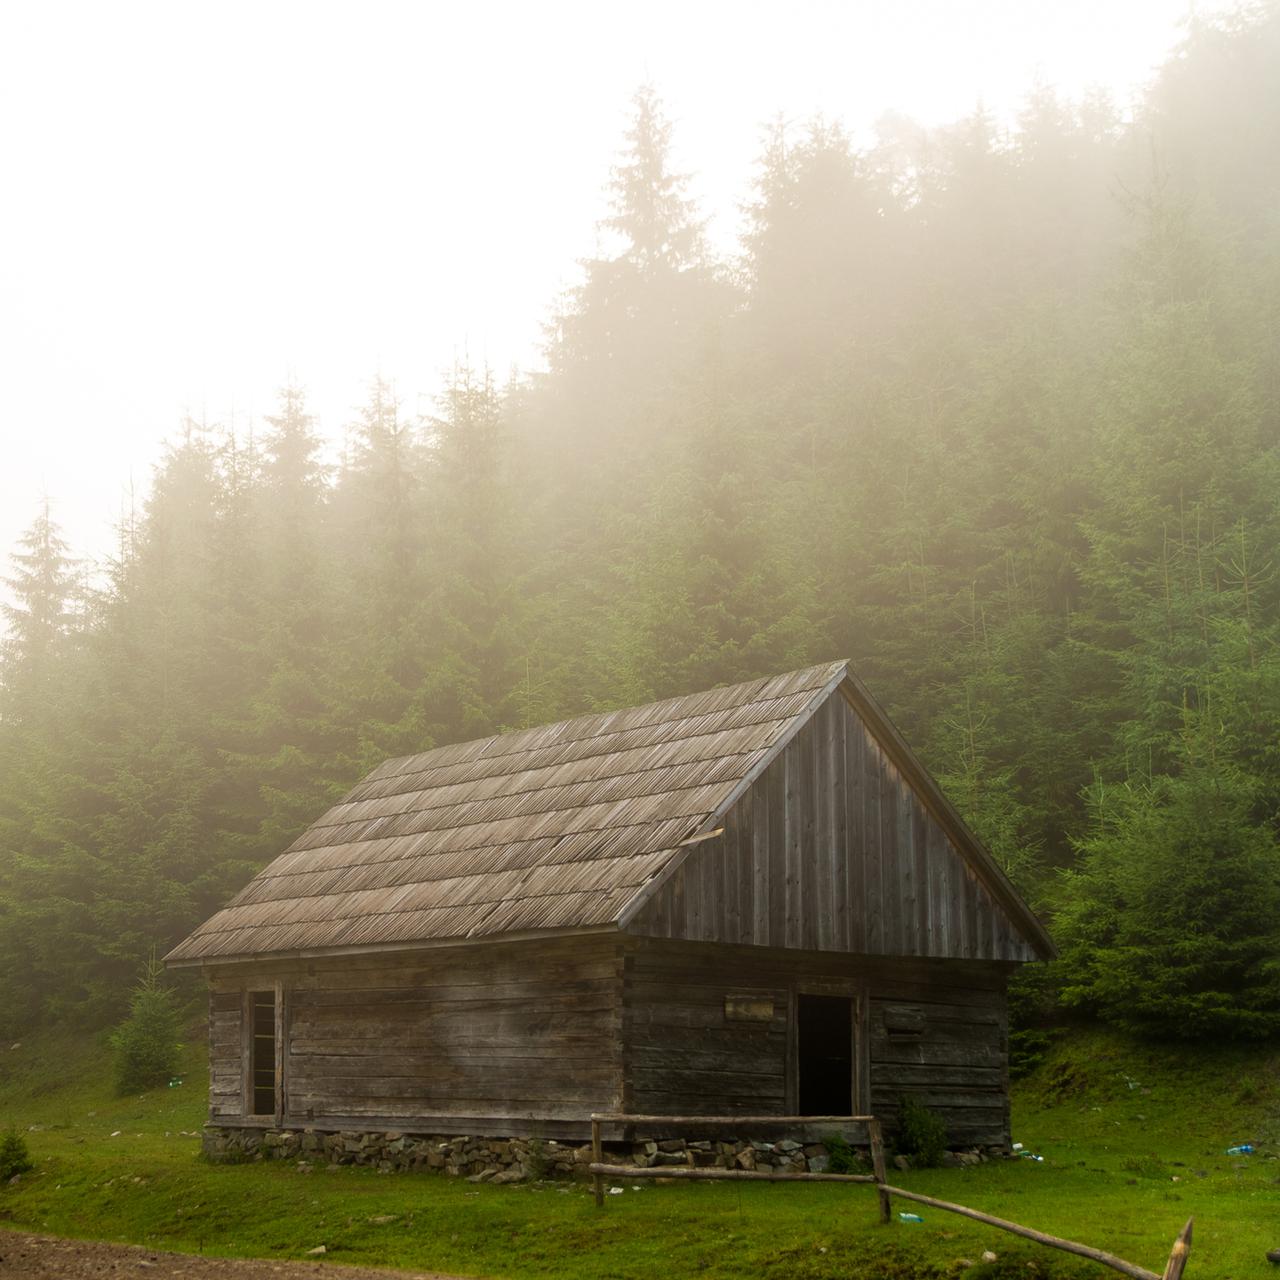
(1171, 926)
(1027, 1051)
(921, 1135)
(841, 1157)
(146, 1042)
(14, 1156)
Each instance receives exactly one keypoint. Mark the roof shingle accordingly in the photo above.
(547, 828)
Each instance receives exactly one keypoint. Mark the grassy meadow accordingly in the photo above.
(1133, 1140)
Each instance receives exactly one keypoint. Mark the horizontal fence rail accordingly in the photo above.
(600, 1171)
(872, 1126)
(724, 1175)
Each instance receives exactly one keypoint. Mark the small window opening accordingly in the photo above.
(262, 1064)
(824, 1033)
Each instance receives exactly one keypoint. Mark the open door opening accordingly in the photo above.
(824, 1035)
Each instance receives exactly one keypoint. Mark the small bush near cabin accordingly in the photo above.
(146, 1042)
(842, 1158)
(921, 1134)
(14, 1156)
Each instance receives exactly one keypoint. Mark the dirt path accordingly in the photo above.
(52, 1258)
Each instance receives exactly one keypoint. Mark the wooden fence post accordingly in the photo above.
(1178, 1256)
(597, 1154)
(877, 1165)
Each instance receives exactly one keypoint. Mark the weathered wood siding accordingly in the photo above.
(932, 1030)
(939, 1033)
(831, 849)
(226, 1055)
(514, 1038)
(682, 1055)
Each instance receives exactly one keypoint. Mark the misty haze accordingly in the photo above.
(633, 619)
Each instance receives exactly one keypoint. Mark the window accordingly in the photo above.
(262, 1052)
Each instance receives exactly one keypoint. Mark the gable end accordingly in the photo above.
(843, 842)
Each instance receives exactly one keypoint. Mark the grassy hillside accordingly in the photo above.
(1133, 1141)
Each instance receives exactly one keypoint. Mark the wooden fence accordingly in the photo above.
(878, 1178)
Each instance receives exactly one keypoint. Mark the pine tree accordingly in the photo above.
(1172, 922)
(472, 674)
(45, 590)
(640, 307)
(378, 547)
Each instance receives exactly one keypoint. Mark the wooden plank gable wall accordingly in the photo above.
(832, 849)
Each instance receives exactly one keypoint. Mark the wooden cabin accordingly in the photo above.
(753, 900)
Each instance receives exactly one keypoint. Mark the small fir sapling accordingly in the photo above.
(15, 1158)
(146, 1042)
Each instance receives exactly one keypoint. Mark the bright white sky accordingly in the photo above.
(200, 199)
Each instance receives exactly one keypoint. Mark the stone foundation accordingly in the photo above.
(515, 1159)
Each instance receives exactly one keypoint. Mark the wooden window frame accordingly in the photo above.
(276, 1118)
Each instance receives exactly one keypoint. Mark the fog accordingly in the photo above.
(204, 201)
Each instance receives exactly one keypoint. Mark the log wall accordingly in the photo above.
(935, 1031)
(482, 1039)
(531, 1038)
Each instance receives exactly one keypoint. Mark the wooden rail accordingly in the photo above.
(599, 1170)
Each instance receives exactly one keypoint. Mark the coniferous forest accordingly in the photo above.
(995, 414)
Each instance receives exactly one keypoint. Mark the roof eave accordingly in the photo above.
(387, 948)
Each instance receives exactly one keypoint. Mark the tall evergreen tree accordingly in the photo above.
(44, 590)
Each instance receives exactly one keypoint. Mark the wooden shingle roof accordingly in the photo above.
(557, 827)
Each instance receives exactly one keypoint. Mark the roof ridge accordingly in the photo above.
(384, 770)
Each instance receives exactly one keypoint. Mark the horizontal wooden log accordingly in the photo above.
(887, 1054)
(940, 1031)
(551, 1128)
(677, 1018)
(757, 1062)
(730, 1104)
(512, 1029)
(440, 988)
(908, 1075)
(531, 1005)
(317, 1056)
(465, 1098)
(617, 1117)
(937, 1098)
(936, 1003)
(722, 1175)
(674, 1078)
(952, 982)
(699, 989)
(655, 1035)
(1017, 1229)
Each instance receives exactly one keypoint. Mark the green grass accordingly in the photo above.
(1133, 1141)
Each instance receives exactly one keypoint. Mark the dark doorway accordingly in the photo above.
(824, 1034)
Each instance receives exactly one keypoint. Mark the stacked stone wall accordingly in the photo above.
(514, 1159)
